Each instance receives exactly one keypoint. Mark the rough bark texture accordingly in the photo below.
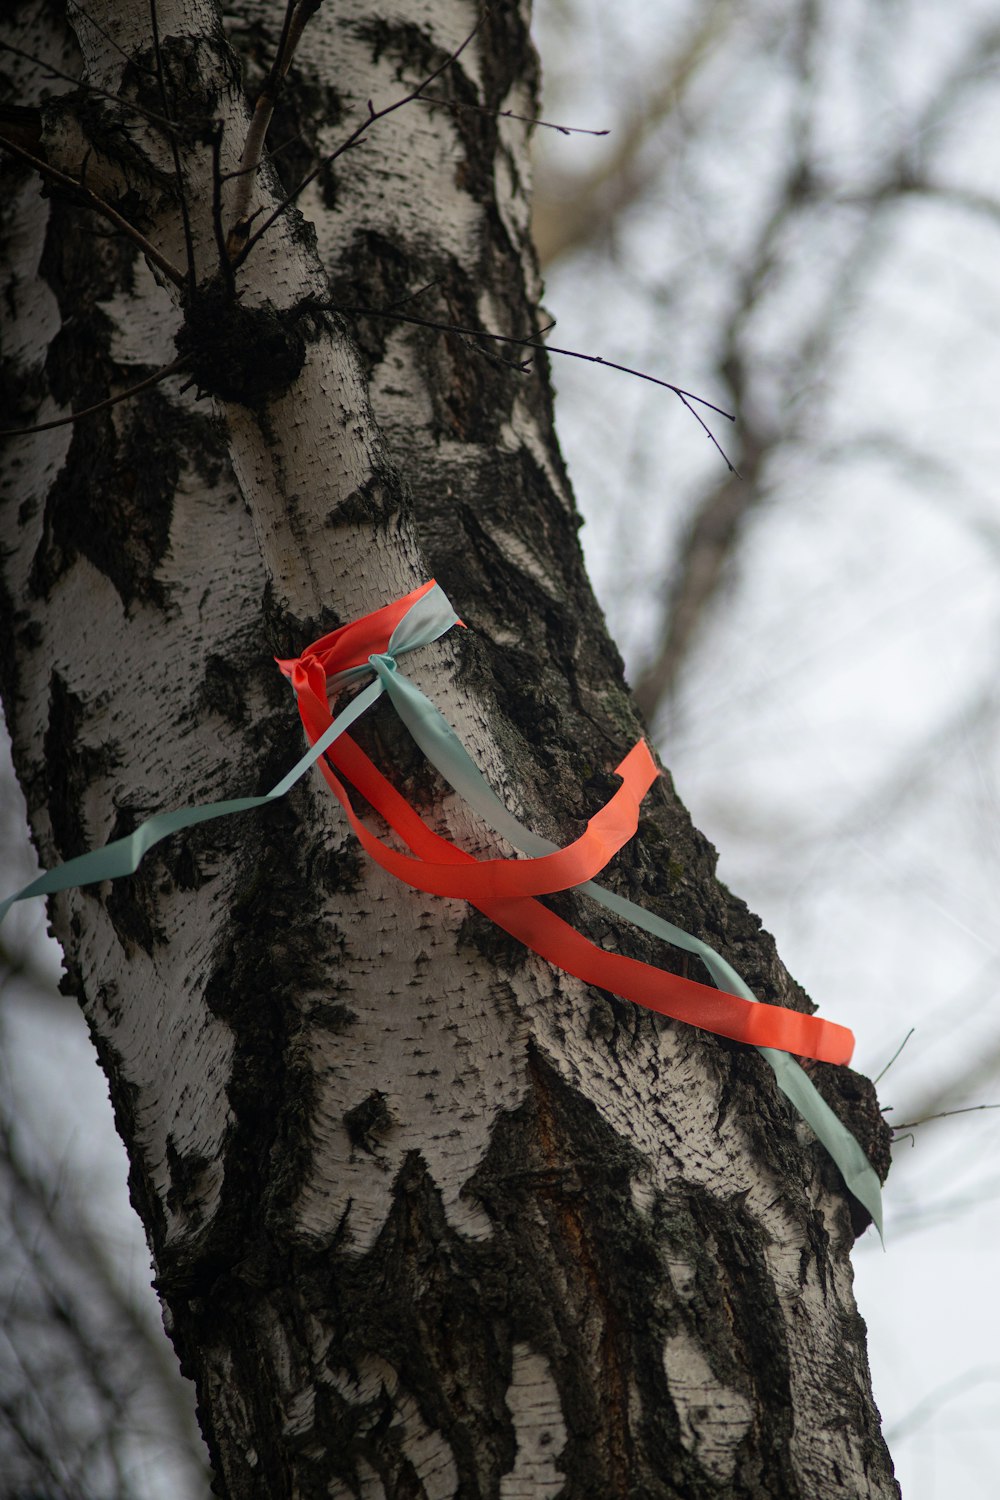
(428, 1219)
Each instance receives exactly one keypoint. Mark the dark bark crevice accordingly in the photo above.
(572, 1270)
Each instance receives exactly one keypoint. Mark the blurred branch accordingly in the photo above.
(70, 1325)
(573, 213)
(77, 188)
(27, 969)
(705, 549)
(712, 538)
(959, 1386)
(807, 199)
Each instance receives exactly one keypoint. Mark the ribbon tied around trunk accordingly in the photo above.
(503, 889)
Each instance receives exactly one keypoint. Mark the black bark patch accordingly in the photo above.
(272, 955)
(340, 868)
(188, 1174)
(112, 501)
(501, 951)
(22, 386)
(409, 43)
(369, 1122)
(133, 901)
(735, 1313)
(328, 1014)
(71, 767)
(84, 266)
(372, 272)
(293, 140)
(587, 1288)
(374, 503)
(238, 353)
(418, 1299)
(195, 69)
(222, 691)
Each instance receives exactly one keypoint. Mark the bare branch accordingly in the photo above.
(192, 270)
(705, 549)
(64, 180)
(297, 14)
(532, 342)
(572, 212)
(504, 114)
(88, 411)
(354, 139)
(917, 1418)
(943, 1114)
(879, 1076)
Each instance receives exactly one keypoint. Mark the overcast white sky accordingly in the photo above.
(835, 733)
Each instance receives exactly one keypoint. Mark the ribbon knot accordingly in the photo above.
(383, 663)
(304, 672)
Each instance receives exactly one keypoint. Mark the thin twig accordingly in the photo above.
(192, 270)
(88, 411)
(62, 179)
(504, 114)
(531, 342)
(354, 139)
(52, 71)
(110, 39)
(892, 1059)
(253, 147)
(278, 66)
(918, 1415)
(970, 1109)
(685, 400)
(219, 228)
(523, 366)
(412, 296)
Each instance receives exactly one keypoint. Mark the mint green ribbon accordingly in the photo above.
(442, 747)
(418, 627)
(428, 619)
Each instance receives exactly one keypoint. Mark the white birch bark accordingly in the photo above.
(428, 1217)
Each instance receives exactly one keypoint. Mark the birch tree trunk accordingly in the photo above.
(428, 1218)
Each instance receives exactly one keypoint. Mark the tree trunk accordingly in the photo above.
(428, 1217)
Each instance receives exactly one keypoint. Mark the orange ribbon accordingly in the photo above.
(503, 888)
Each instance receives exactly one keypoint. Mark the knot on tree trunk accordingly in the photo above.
(245, 354)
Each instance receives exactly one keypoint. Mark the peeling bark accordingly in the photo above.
(428, 1219)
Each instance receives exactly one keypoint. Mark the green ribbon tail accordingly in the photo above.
(425, 621)
(443, 748)
(124, 856)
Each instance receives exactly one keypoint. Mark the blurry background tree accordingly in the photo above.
(796, 212)
(92, 1404)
